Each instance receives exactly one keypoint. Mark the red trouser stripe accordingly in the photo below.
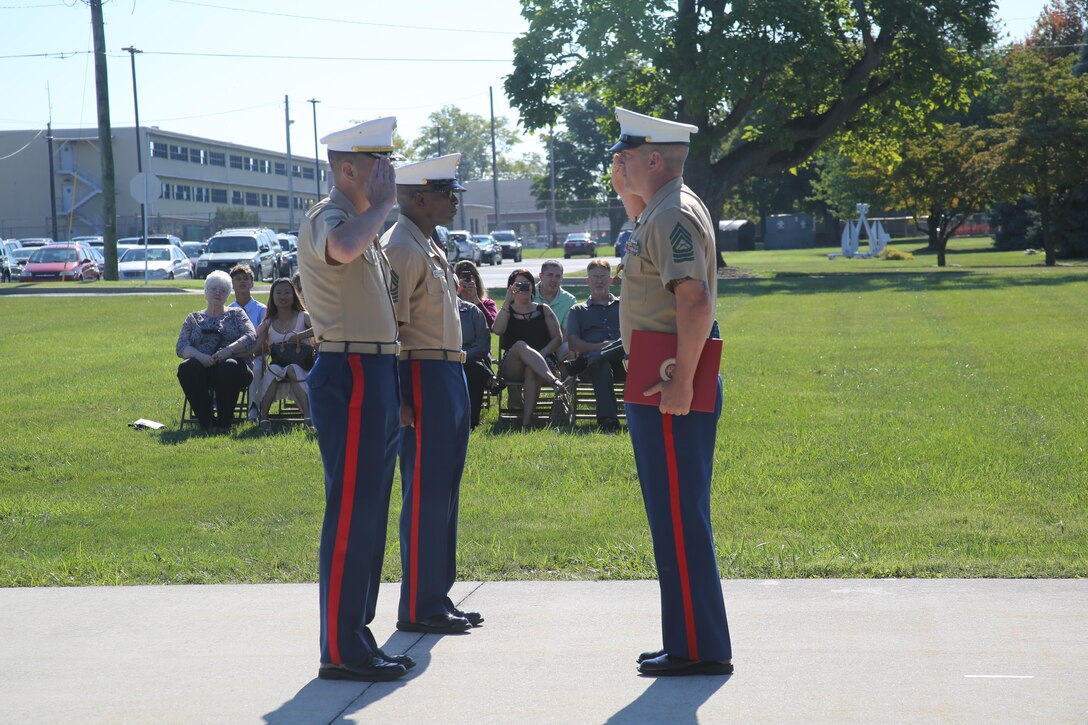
(417, 480)
(678, 536)
(347, 500)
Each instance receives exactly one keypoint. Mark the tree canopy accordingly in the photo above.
(765, 82)
(451, 130)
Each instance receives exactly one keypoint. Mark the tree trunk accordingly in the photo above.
(933, 222)
(1048, 232)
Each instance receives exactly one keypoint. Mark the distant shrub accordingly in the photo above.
(896, 254)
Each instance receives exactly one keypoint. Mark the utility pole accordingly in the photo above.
(52, 175)
(494, 162)
(290, 176)
(317, 157)
(105, 141)
(551, 209)
(132, 51)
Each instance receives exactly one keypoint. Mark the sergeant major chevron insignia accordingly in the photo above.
(683, 249)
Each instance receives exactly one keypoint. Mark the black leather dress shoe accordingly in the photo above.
(669, 666)
(649, 655)
(403, 660)
(444, 623)
(376, 670)
(474, 618)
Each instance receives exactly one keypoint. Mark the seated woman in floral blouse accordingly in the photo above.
(213, 343)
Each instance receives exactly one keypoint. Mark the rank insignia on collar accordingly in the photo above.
(683, 249)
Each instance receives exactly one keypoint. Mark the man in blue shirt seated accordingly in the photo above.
(593, 331)
(476, 344)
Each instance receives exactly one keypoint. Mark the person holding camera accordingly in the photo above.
(214, 343)
(527, 332)
(471, 288)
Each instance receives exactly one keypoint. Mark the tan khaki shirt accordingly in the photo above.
(673, 239)
(347, 302)
(423, 289)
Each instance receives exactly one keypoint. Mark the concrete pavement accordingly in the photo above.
(824, 651)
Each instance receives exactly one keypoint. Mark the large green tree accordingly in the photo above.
(451, 130)
(766, 82)
(1040, 145)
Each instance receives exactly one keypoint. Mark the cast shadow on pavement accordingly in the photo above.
(675, 700)
(325, 701)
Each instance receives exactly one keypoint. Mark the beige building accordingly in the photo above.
(195, 177)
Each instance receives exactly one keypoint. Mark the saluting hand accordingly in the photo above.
(381, 187)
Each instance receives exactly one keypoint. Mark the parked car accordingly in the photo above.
(441, 237)
(490, 250)
(153, 240)
(621, 242)
(466, 247)
(579, 243)
(72, 261)
(193, 250)
(511, 245)
(35, 241)
(239, 246)
(289, 259)
(18, 258)
(11, 245)
(95, 240)
(163, 262)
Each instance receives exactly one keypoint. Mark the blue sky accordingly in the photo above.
(241, 99)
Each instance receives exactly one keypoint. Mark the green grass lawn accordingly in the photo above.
(921, 422)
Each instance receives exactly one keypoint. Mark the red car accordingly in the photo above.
(61, 262)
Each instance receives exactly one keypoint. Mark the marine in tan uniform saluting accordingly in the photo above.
(353, 393)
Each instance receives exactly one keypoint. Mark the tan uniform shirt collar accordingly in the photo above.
(669, 187)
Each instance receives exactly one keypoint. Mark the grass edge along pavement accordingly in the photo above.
(873, 425)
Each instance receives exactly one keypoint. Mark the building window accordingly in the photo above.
(201, 193)
(266, 201)
(198, 156)
(323, 175)
(164, 191)
(264, 166)
(296, 171)
(217, 158)
(182, 192)
(281, 169)
(236, 198)
(251, 198)
(235, 161)
(158, 150)
(249, 163)
(179, 153)
(281, 201)
(307, 172)
(219, 196)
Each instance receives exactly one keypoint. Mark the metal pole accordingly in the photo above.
(317, 157)
(52, 180)
(551, 215)
(290, 176)
(132, 51)
(494, 162)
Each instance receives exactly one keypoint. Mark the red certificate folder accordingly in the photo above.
(651, 359)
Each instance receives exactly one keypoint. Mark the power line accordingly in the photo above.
(266, 57)
(25, 147)
(342, 21)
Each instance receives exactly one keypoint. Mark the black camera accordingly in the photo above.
(522, 286)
